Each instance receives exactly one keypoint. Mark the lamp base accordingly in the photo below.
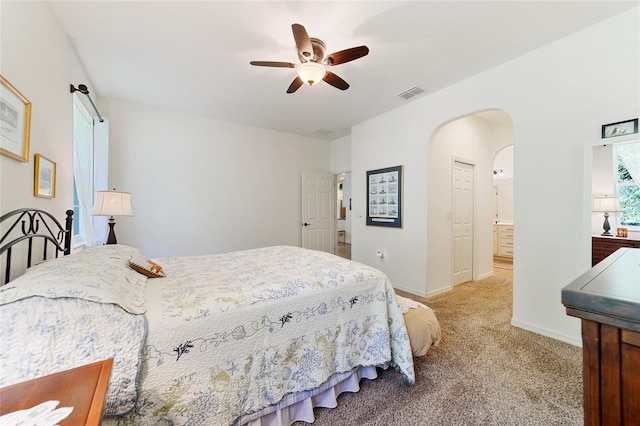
(111, 239)
(606, 226)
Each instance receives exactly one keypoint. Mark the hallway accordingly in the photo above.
(343, 250)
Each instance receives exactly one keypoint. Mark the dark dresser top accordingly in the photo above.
(609, 292)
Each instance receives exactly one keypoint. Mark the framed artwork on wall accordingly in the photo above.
(384, 197)
(15, 122)
(620, 128)
(45, 177)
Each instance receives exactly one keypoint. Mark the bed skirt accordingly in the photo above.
(299, 406)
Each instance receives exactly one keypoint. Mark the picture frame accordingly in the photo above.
(621, 128)
(15, 122)
(45, 177)
(384, 197)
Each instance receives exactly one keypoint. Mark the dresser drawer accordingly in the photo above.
(601, 247)
(505, 251)
(505, 231)
(503, 235)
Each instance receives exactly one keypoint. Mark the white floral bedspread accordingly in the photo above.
(231, 334)
(41, 336)
(72, 311)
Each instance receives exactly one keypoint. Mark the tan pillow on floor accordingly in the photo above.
(423, 329)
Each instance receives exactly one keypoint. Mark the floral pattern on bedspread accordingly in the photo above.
(74, 310)
(231, 334)
(41, 336)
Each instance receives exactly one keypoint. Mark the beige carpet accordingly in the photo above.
(502, 264)
(485, 372)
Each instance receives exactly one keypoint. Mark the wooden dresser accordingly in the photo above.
(83, 388)
(607, 299)
(602, 247)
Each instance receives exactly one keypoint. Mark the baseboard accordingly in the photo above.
(558, 336)
(423, 294)
(439, 291)
(412, 291)
(485, 275)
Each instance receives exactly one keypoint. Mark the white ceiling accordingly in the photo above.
(194, 56)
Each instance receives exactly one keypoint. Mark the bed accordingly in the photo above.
(256, 337)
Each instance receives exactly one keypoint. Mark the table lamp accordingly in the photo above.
(606, 204)
(112, 203)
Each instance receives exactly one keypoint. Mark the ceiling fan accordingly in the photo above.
(312, 69)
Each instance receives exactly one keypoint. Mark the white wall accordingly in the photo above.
(38, 60)
(504, 161)
(202, 186)
(558, 97)
(341, 154)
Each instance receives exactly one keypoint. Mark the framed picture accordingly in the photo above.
(45, 178)
(620, 128)
(384, 197)
(15, 122)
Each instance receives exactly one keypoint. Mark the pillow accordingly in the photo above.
(146, 267)
(423, 330)
(99, 274)
(422, 325)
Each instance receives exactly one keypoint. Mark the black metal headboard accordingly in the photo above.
(33, 224)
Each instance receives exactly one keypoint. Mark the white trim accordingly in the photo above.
(491, 273)
(406, 290)
(558, 336)
(439, 291)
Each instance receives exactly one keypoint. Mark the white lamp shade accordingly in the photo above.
(606, 204)
(311, 73)
(112, 203)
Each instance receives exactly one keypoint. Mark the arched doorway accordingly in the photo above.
(475, 138)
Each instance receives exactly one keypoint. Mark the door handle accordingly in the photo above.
(306, 224)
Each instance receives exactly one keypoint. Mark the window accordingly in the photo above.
(90, 173)
(83, 188)
(627, 162)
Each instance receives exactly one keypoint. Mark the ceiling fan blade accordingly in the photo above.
(295, 85)
(335, 81)
(303, 42)
(347, 55)
(273, 64)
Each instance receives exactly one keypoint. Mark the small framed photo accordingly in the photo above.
(620, 128)
(45, 177)
(384, 197)
(15, 122)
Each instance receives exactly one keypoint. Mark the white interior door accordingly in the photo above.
(318, 211)
(463, 177)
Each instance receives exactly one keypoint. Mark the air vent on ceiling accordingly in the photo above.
(322, 132)
(410, 93)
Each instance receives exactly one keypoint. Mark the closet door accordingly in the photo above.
(463, 196)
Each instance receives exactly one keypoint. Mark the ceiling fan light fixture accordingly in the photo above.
(311, 72)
